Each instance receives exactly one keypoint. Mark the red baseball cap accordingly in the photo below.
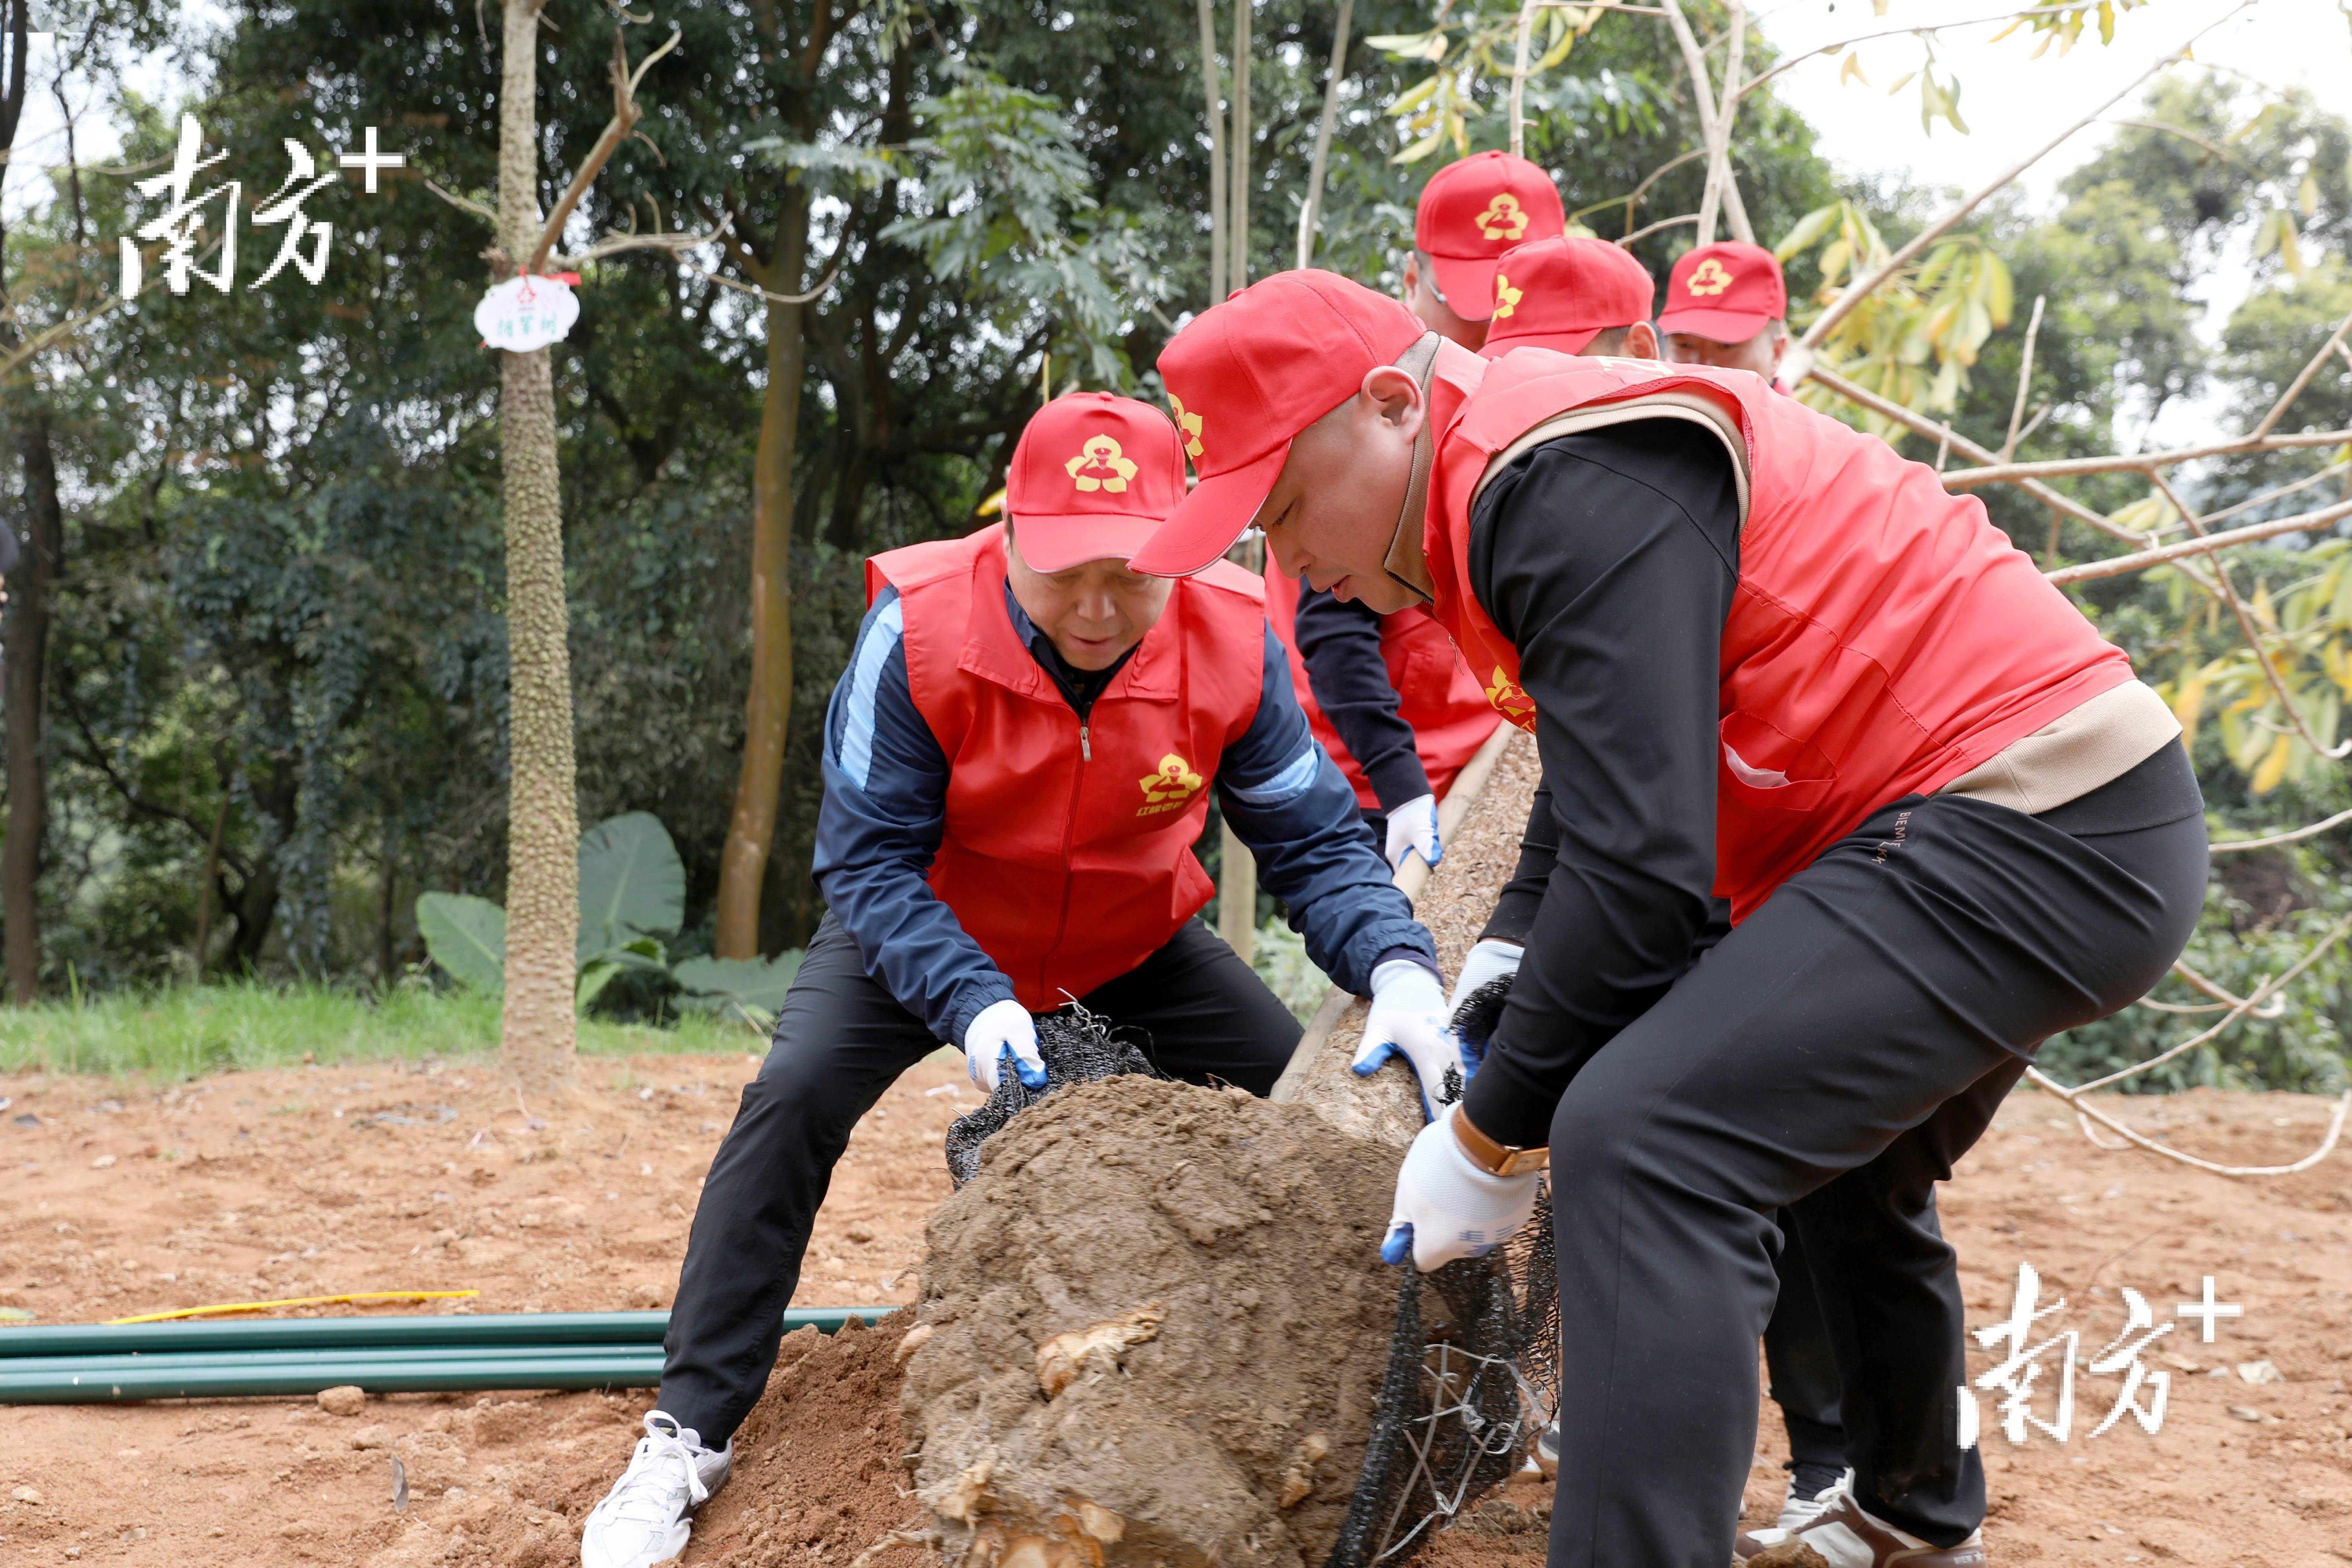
(1093, 474)
(1246, 376)
(1562, 293)
(1474, 210)
(1726, 291)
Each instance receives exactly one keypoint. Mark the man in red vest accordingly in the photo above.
(1385, 693)
(1590, 297)
(1728, 306)
(1017, 763)
(1762, 656)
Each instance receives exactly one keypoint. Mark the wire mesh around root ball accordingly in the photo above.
(1077, 1048)
(1473, 1375)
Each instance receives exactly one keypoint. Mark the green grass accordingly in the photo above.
(220, 1028)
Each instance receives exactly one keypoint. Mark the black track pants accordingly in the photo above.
(1197, 1010)
(1840, 1049)
(1801, 1360)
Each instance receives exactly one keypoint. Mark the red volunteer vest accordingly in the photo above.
(1449, 713)
(1883, 637)
(1067, 854)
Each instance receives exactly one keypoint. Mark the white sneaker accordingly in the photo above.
(646, 1517)
(1797, 1511)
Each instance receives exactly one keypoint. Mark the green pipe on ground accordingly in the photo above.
(378, 1374)
(516, 1329)
(37, 1366)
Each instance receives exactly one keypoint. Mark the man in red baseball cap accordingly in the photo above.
(1574, 295)
(1469, 214)
(1017, 761)
(1762, 656)
(1386, 695)
(1728, 305)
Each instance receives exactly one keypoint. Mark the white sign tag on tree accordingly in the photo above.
(526, 313)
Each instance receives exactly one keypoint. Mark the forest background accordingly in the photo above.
(260, 703)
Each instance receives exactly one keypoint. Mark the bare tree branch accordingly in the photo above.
(1885, 408)
(1310, 211)
(1863, 287)
(2240, 845)
(2247, 628)
(1997, 473)
(625, 115)
(2286, 398)
(2299, 523)
(2024, 380)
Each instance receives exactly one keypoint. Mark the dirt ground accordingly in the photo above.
(313, 1181)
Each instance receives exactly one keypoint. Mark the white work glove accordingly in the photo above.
(997, 1031)
(1491, 959)
(1408, 1016)
(1447, 1207)
(1414, 826)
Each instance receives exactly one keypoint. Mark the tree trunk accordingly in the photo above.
(536, 1041)
(768, 710)
(26, 651)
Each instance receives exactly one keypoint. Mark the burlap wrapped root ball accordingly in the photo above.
(1152, 1332)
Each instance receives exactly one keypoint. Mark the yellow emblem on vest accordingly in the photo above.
(1709, 277)
(1506, 299)
(1509, 700)
(1187, 425)
(1504, 217)
(1171, 788)
(1100, 466)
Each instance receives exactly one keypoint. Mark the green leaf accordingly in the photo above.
(1809, 228)
(466, 937)
(1429, 46)
(2000, 294)
(593, 980)
(631, 883)
(2307, 198)
(751, 988)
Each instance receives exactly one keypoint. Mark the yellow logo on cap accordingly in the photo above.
(1187, 425)
(1171, 788)
(1504, 217)
(1101, 454)
(1709, 277)
(1506, 299)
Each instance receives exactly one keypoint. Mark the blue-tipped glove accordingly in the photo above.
(998, 1032)
(1447, 1207)
(1480, 993)
(1408, 1017)
(1412, 829)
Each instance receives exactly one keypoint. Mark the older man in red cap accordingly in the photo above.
(1763, 655)
(1017, 763)
(1728, 306)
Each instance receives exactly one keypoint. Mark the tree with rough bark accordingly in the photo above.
(25, 625)
(537, 1033)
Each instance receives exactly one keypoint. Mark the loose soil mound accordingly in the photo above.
(821, 1473)
(1219, 1256)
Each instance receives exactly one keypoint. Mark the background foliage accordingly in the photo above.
(275, 702)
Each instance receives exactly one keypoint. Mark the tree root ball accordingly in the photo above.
(1152, 1333)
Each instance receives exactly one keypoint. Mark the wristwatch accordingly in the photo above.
(1497, 1159)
